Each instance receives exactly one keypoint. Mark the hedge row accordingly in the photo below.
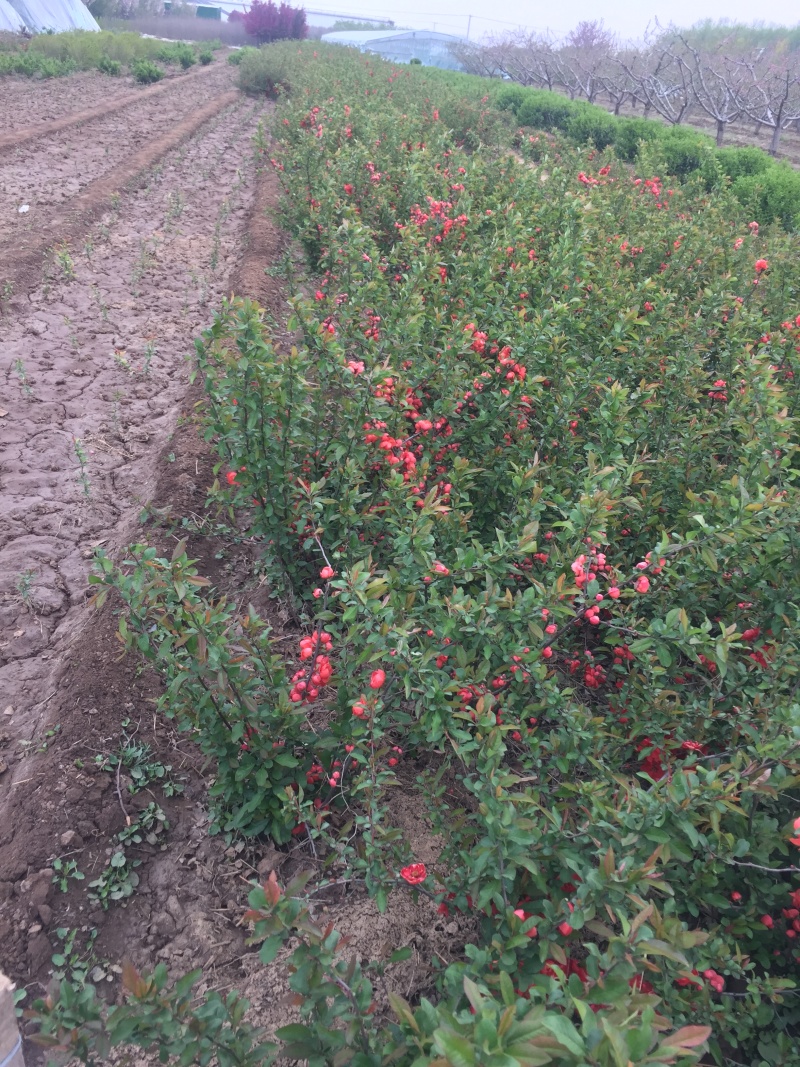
(768, 189)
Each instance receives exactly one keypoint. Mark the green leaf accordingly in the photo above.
(655, 947)
(458, 1050)
(564, 1031)
(270, 948)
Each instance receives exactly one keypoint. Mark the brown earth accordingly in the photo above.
(28, 116)
(56, 186)
(101, 357)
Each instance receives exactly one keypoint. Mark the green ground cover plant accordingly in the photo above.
(56, 55)
(528, 483)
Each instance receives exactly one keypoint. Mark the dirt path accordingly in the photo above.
(38, 181)
(93, 369)
(28, 116)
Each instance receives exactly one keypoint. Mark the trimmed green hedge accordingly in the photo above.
(770, 190)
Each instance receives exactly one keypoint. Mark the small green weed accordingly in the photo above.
(141, 765)
(72, 962)
(63, 871)
(117, 881)
(83, 466)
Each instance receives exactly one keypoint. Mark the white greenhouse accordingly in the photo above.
(10, 21)
(46, 16)
(431, 48)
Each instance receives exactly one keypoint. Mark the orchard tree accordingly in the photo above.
(584, 58)
(771, 96)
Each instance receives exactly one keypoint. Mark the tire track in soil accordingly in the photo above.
(71, 674)
(19, 135)
(157, 268)
(22, 255)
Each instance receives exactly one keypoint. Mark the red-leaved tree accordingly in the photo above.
(275, 22)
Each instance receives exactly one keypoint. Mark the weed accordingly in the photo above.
(116, 396)
(150, 351)
(83, 465)
(22, 376)
(117, 880)
(121, 359)
(47, 737)
(24, 585)
(73, 337)
(144, 769)
(145, 262)
(6, 292)
(64, 260)
(278, 269)
(146, 828)
(100, 303)
(71, 962)
(176, 203)
(63, 871)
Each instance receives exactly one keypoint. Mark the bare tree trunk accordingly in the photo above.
(720, 132)
(776, 136)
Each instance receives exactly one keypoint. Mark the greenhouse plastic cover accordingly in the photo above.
(57, 15)
(9, 19)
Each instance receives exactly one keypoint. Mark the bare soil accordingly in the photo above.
(98, 355)
(40, 180)
(29, 113)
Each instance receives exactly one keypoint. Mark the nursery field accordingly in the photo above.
(449, 616)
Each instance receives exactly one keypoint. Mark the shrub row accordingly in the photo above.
(770, 191)
(529, 483)
(56, 55)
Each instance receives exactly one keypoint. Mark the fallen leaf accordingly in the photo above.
(3, 413)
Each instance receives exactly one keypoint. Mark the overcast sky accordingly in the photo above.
(629, 20)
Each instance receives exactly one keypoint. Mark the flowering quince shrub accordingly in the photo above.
(529, 483)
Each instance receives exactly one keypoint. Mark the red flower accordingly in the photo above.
(377, 678)
(639, 984)
(414, 873)
(796, 825)
(231, 478)
(326, 572)
(761, 265)
(642, 584)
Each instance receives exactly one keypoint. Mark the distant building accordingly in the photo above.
(432, 49)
